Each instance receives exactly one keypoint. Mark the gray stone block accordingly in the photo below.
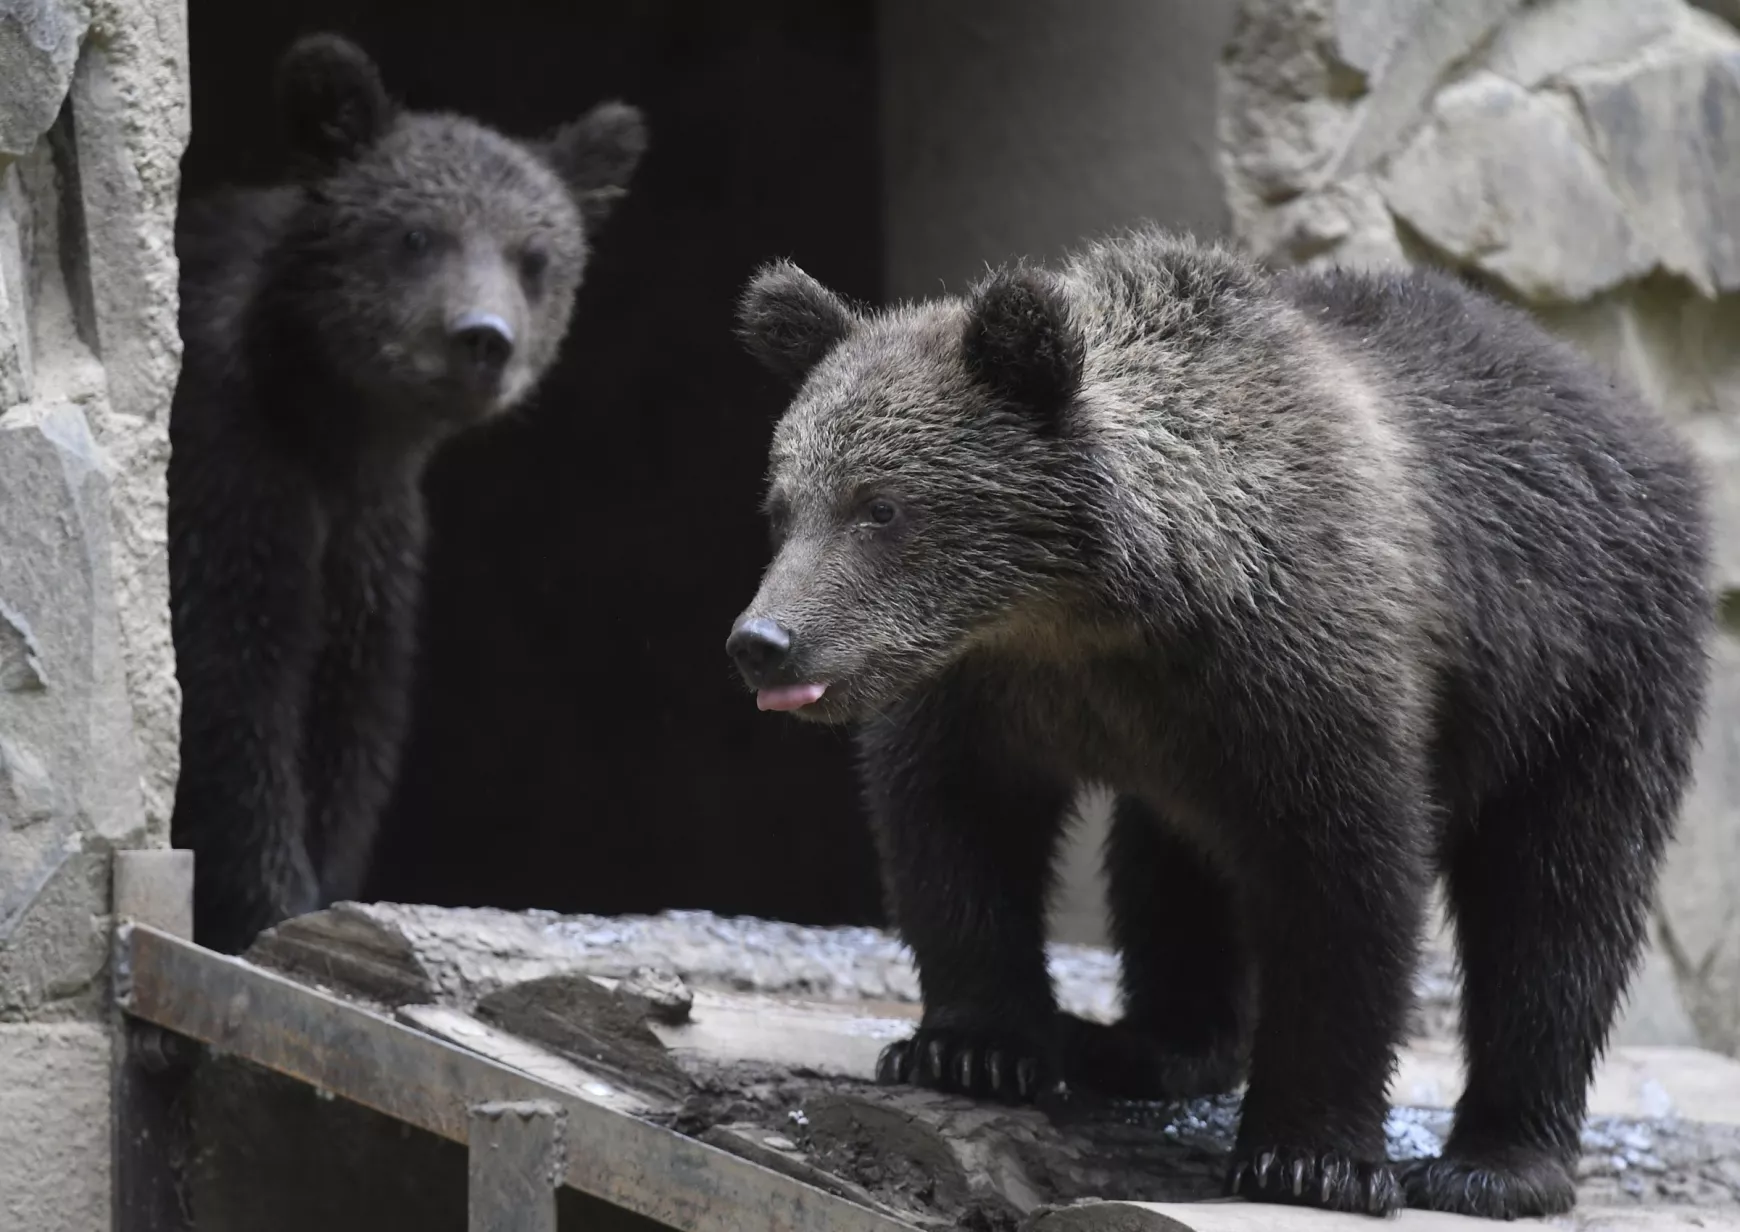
(39, 44)
(1367, 30)
(1666, 126)
(1549, 38)
(1431, 39)
(1493, 177)
(54, 951)
(54, 1127)
(64, 709)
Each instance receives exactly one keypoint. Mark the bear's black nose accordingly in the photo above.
(485, 340)
(759, 648)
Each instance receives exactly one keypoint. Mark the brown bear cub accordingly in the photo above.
(414, 277)
(1342, 582)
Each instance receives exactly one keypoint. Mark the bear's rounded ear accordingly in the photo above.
(1020, 342)
(789, 321)
(331, 102)
(596, 156)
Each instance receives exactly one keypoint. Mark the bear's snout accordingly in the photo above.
(760, 648)
(484, 342)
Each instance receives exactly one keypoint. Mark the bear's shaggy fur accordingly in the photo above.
(1342, 582)
(415, 276)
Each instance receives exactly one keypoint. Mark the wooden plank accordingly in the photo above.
(368, 1058)
(528, 1058)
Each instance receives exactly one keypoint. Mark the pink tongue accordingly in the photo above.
(789, 696)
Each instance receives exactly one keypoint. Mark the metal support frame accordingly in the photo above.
(153, 1068)
(517, 1161)
(152, 1130)
(500, 1113)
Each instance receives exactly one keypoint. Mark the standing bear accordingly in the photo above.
(415, 278)
(1341, 582)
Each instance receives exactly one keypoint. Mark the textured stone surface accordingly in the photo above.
(66, 711)
(39, 44)
(54, 1125)
(56, 951)
(1365, 30)
(1487, 125)
(1283, 110)
(1699, 922)
(93, 120)
(1491, 181)
(1549, 38)
(1580, 155)
(130, 107)
(1436, 37)
(88, 357)
(1683, 192)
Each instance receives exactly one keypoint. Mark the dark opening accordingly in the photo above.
(580, 743)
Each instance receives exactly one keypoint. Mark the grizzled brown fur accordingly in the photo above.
(415, 276)
(1343, 583)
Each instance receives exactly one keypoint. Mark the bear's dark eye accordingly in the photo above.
(533, 263)
(416, 240)
(778, 522)
(882, 511)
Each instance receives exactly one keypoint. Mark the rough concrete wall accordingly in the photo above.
(92, 125)
(1577, 156)
(1020, 128)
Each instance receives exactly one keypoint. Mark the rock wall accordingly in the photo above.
(92, 124)
(1581, 157)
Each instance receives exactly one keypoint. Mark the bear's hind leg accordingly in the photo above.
(1333, 895)
(1186, 971)
(1550, 891)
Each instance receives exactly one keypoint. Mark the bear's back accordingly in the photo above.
(1543, 512)
(1568, 520)
(1512, 426)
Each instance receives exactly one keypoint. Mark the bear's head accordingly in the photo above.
(925, 487)
(431, 262)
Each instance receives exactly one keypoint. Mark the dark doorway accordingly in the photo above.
(580, 743)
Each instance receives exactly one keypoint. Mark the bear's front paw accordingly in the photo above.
(1515, 1184)
(1303, 1176)
(974, 1063)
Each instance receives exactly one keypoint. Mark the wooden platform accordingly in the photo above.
(711, 1075)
